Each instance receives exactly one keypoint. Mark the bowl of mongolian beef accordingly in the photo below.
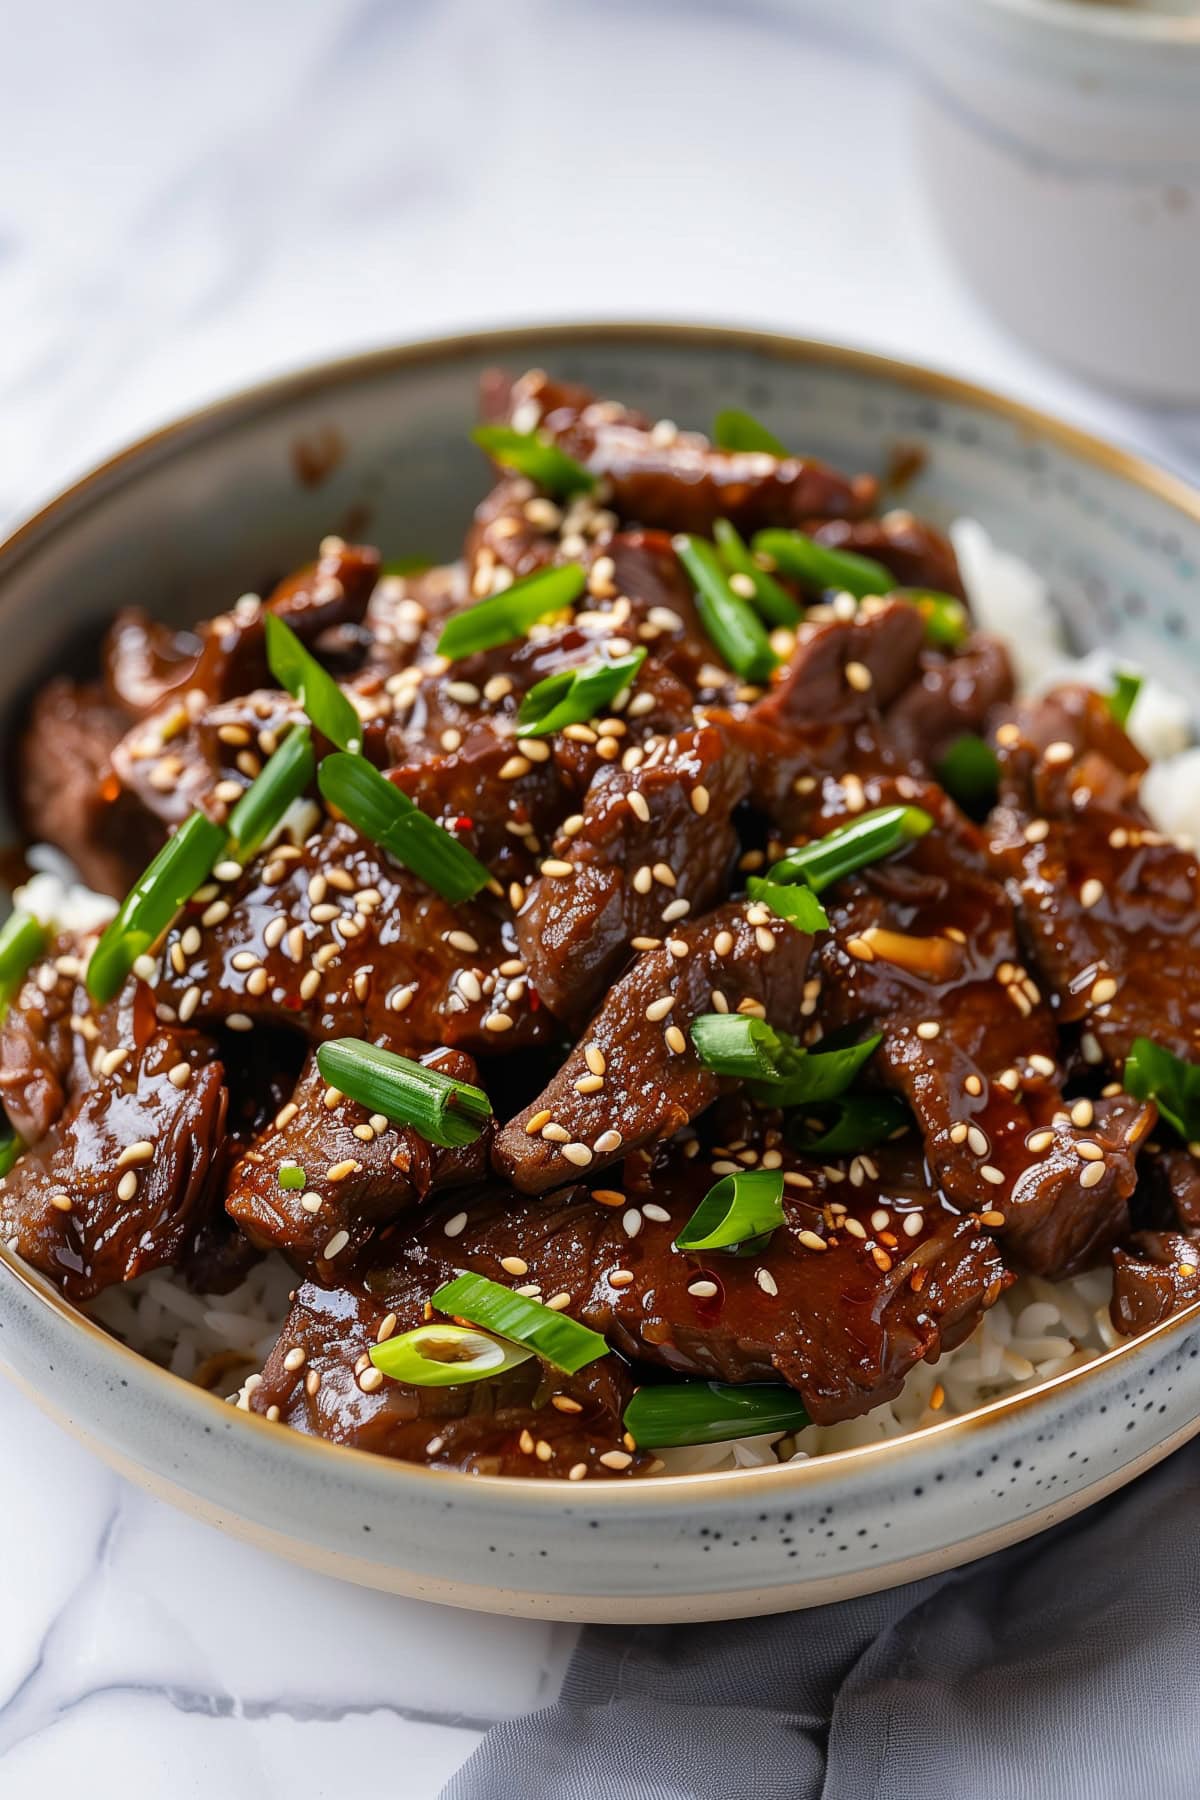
(641, 966)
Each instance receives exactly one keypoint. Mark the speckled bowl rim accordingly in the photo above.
(518, 343)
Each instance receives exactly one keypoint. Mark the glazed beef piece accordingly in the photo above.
(38, 1041)
(67, 793)
(147, 662)
(1110, 907)
(532, 1420)
(193, 753)
(336, 940)
(676, 480)
(651, 845)
(923, 947)
(950, 695)
(359, 1171)
(634, 1077)
(120, 1184)
(1157, 1274)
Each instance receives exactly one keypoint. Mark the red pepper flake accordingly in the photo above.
(464, 824)
(534, 998)
(293, 1002)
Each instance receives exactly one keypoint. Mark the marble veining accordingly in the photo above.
(193, 201)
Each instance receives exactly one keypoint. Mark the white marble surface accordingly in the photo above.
(194, 196)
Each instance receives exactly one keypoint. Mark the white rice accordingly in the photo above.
(1038, 1329)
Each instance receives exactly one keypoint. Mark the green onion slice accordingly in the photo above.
(794, 901)
(858, 1122)
(574, 696)
(861, 841)
(773, 602)
(740, 1207)
(780, 1072)
(710, 1412)
(947, 626)
(509, 615)
(731, 623)
(558, 1340)
(534, 454)
(376, 807)
(291, 1175)
(442, 1111)
(22, 940)
(1126, 688)
(11, 1147)
(445, 1355)
(970, 772)
(817, 566)
(185, 862)
(1153, 1072)
(287, 773)
(408, 565)
(313, 686)
(734, 429)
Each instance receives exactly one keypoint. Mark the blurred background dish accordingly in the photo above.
(1059, 145)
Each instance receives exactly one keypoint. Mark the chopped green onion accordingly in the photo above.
(852, 846)
(794, 901)
(817, 566)
(576, 695)
(558, 1340)
(710, 1412)
(408, 565)
(442, 1111)
(947, 625)
(510, 614)
(732, 1044)
(534, 454)
(22, 940)
(773, 602)
(732, 624)
(780, 1071)
(444, 1355)
(185, 861)
(740, 1207)
(859, 1122)
(737, 430)
(1153, 1072)
(313, 686)
(11, 1148)
(291, 1175)
(376, 807)
(1126, 688)
(970, 773)
(286, 775)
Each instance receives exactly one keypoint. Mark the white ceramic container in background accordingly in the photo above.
(378, 445)
(1059, 145)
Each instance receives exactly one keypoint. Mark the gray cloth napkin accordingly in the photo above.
(1067, 1668)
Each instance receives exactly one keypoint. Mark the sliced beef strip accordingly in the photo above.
(634, 1077)
(924, 948)
(1156, 1274)
(1110, 907)
(351, 945)
(532, 1420)
(647, 840)
(360, 1172)
(195, 753)
(951, 695)
(676, 480)
(147, 661)
(62, 1207)
(36, 1041)
(68, 794)
(917, 555)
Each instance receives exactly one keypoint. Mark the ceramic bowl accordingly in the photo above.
(1059, 144)
(211, 506)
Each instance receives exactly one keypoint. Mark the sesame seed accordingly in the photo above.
(615, 1459)
(678, 909)
(555, 1134)
(1091, 891)
(658, 1009)
(607, 1142)
(977, 1140)
(295, 1359)
(810, 1240)
(723, 943)
(61, 1202)
(703, 1289)
(534, 1124)
(992, 1174)
(958, 1133)
(577, 1471)
(1088, 1151)
(514, 768)
(370, 1380)
(1103, 990)
(498, 1021)
(127, 1186)
(631, 1221)
(1037, 831)
(239, 1021)
(1041, 1065)
(133, 1154)
(1090, 1047)
(1092, 1173)
(608, 1197)
(928, 1028)
(859, 676)
(456, 1225)
(339, 1171)
(179, 1074)
(579, 1154)
(514, 1265)
(1059, 752)
(639, 804)
(859, 947)
(594, 1058)
(993, 1220)
(311, 1202)
(1039, 1140)
(1083, 1113)
(589, 1084)
(556, 866)
(913, 1223)
(675, 1041)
